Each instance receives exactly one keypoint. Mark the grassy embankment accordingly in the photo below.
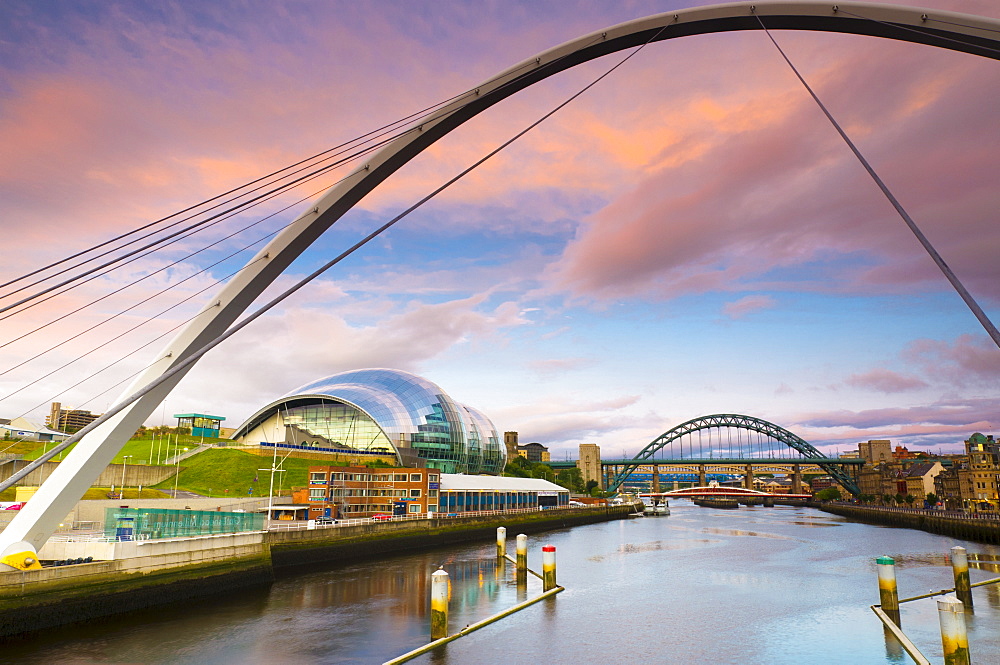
(144, 450)
(215, 471)
(218, 472)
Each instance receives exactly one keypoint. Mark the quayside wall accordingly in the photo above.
(150, 573)
(966, 527)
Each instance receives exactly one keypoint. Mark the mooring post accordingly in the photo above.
(963, 586)
(888, 596)
(954, 639)
(501, 542)
(439, 604)
(521, 558)
(548, 567)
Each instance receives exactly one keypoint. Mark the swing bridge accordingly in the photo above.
(726, 445)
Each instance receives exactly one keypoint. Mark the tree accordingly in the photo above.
(829, 494)
(886, 499)
(909, 498)
(571, 479)
(591, 486)
(932, 499)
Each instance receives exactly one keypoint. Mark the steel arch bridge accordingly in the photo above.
(33, 525)
(807, 452)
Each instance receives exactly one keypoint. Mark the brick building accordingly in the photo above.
(344, 492)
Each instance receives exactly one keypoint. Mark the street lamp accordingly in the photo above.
(270, 493)
(121, 490)
(177, 474)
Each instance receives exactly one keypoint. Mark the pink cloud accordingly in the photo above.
(886, 381)
(740, 308)
(971, 360)
(784, 191)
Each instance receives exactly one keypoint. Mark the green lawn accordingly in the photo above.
(146, 450)
(212, 472)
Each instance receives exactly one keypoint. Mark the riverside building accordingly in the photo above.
(352, 492)
(380, 414)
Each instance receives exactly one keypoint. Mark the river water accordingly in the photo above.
(756, 585)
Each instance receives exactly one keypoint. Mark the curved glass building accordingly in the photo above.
(383, 411)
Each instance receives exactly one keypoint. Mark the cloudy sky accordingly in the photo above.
(689, 237)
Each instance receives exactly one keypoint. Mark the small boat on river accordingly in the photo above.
(658, 508)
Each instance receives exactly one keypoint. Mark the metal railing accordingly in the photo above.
(302, 525)
(955, 514)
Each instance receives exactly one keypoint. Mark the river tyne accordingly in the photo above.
(756, 585)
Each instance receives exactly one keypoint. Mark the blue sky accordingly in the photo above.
(688, 238)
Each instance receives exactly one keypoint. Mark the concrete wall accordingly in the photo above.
(966, 528)
(135, 474)
(150, 555)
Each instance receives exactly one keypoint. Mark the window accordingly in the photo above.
(432, 494)
(414, 507)
(317, 477)
(336, 476)
(317, 494)
(432, 508)
(415, 493)
(399, 477)
(415, 477)
(432, 478)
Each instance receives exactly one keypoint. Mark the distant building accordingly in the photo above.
(984, 464)
(920, 478)
(510, 443)
(534, 452)
(589, 463)
(201, 424)
(876, 451)
(24, 429)
(68, 420)
(954, 487)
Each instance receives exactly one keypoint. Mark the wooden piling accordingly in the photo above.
(501, 542)
(439, 604)
(521, 558)
(548, 567)
(888, 595)
(954, 639)
(960, 565)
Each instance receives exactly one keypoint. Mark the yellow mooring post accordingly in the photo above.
(548, 567)
(501, 542)
(954, 639)
(439, 604)
(888, 596)
(521, 558)
(960, 564)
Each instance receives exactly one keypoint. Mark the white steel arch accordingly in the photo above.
(56, 497)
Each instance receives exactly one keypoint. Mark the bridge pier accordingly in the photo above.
(656, 479)
(796, 479)
(702, 476)
(748, 477)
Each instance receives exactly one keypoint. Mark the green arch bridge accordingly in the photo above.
(707, 445)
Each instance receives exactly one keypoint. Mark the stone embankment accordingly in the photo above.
(155, 572)
(981, 529)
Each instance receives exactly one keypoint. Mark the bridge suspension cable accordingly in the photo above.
(370, 141)
(949, 274)
(193, 357)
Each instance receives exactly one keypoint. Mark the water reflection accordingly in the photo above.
(700, 586)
